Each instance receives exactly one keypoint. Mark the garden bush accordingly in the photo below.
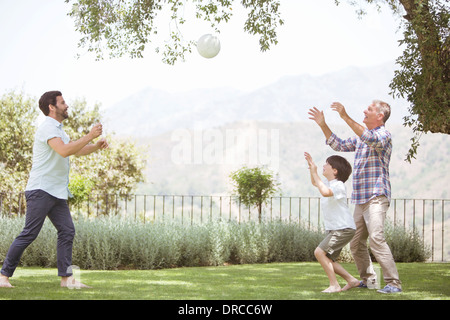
(109, 243)
(406, 244)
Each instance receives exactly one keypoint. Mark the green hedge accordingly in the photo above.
(114, 243)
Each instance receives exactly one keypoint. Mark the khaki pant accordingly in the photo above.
(369, 220)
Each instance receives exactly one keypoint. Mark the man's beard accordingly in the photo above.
(64, 114)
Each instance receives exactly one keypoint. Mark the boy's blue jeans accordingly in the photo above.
(40, 204)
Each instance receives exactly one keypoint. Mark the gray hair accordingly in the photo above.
(384, 108)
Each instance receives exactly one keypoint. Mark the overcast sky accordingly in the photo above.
(39, 47)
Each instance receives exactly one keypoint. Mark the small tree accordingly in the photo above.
(18, 114)
(116, 170)
(254, 186)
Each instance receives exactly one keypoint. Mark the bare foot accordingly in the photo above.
(71, 283)
(4, 282)
(332, 289)
(350, 285)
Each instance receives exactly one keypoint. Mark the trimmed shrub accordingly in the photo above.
(109, 243)
(406, 244)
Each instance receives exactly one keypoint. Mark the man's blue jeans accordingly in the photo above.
(40, 204)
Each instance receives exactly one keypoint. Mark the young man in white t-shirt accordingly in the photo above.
(338, 221)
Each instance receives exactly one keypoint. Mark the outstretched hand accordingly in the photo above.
(102, 144)
(337, 106)
(96, 131)
(311, 164)
(317, 116)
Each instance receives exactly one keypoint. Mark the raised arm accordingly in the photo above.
(315, 179)
(73, 147)
(356, 127)
(319, 118)
(88, 149)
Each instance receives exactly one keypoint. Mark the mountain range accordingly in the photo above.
(152, 111)
(197, 138)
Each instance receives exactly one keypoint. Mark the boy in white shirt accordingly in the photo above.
(338, 221)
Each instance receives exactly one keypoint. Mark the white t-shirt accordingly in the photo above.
(50, 171)
(335, 210)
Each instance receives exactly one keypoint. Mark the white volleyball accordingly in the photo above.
(208, 46)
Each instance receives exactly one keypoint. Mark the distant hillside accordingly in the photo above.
(197, 138)
(152, 112)
(205, 173)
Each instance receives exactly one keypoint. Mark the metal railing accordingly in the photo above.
(428, 217)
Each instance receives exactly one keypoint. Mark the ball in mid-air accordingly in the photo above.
(208, 46)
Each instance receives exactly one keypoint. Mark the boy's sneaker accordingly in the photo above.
(362, 285)
(390, 289)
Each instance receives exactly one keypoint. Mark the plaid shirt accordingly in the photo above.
(371, 167)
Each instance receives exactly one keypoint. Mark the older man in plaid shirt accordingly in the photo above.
(371, 187)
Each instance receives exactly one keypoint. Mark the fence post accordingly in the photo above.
(154, 207)
(309, 213)
(229, 218)
(442, 239)
(192, 209)
(299, 209)
(201, 209)
(145, 206)
(432, 232)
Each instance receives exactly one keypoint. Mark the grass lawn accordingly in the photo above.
(276, 281)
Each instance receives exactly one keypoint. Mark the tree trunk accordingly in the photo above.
(259, 211)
